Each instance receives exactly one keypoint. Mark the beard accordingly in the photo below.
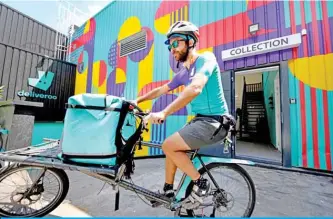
(182, 56)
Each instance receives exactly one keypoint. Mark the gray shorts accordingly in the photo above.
(199, 131)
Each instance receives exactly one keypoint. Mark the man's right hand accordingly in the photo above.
(134, 102)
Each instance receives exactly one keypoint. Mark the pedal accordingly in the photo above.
(193, 201)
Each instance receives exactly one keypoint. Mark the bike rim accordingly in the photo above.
(33, 203)
(233, 194)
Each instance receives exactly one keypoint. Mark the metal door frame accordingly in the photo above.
(285, 114)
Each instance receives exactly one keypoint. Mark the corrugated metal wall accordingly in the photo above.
(16, 66)
(223, 25)
(311, 84)
(21, 31)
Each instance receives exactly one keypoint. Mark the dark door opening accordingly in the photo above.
(258, 114)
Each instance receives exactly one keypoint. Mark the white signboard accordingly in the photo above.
(271, 45)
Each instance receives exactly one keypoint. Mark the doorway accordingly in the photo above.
(258, 114)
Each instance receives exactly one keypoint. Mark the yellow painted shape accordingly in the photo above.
(95, 78)
(145, 71)
(87, 27)
(81, 82)
(189, 118)
(95, 73)
(145, 135)
(176, 13)
(144, 151)
(130, 26)
(209, 49)
(120, 76)
(186, 13)
(162, 24)
(102, 88)
(315, 71)
(170, 74)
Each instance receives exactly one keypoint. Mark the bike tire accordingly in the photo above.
(242, 172)
(59, 173)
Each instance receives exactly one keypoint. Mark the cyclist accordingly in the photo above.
(200, 74)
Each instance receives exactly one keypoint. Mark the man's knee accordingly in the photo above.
(174, 143)
(166, 146)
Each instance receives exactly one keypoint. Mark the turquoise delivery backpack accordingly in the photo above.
(99, 129)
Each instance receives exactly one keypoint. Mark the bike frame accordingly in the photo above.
(199, 161)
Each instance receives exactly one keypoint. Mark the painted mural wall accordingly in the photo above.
(311, 84)
(223, 25)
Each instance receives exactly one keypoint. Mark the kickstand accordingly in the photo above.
(116, 207)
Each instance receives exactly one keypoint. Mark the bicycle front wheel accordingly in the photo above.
(31, 191)
(238, 195)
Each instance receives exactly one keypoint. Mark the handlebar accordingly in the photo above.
(141, 114)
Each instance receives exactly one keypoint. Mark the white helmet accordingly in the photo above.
(185, 28)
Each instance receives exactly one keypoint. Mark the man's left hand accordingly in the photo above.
(156, 118)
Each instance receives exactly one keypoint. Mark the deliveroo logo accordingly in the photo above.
(43, 82)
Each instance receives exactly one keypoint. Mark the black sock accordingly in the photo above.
(167, 187)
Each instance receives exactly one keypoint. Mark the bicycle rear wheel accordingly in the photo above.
(26, 196)
(214, 204)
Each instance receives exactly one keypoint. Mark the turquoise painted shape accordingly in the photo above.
(205, 12)
(293, 122)
(42, 130)
(207, 160)
(268, 83)
(308, 11)
(43, 82)
(330, 119)
(132, 76)
(298, 18)
(329, 5)
(286, 13)
(319, 11)
(297, 133)
(174, 123)
(321, 130)
(309, 127)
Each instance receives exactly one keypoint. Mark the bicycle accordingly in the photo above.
(43, 158)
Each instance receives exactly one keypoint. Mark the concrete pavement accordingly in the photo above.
(279, 193)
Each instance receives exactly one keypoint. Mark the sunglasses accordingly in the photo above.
(174, 44)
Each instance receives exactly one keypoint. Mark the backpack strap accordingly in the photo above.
(88, 107)
(123, 113)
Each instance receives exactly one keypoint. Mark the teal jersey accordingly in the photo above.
(211, 101)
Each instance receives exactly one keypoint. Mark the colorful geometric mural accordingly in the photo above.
(311, 83)
(223, 25)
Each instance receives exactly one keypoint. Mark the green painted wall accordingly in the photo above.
(46, 130)
(268, 84)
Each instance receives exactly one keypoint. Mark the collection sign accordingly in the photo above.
(271, 45)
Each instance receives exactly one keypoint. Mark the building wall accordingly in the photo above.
(311, 84)
(18, 66)
(223, 25)
(23, 32)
